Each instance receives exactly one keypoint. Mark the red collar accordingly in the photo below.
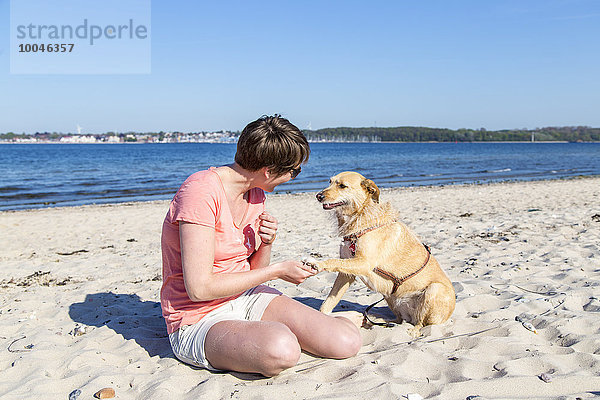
(353, 237)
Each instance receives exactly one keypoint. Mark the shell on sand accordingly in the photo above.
(105, 393)
(529, 326)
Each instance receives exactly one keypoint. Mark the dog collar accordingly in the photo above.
(353, 238)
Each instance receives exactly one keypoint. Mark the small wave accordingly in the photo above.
(389, 176)
(111, 193)
(155, 181)
(5, 189)
(27, 196)
(495, 171)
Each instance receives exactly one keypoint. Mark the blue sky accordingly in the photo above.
(218, 65)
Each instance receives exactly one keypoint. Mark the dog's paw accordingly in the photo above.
(326, 265)
(415, 331)
(311, 262)
(354, 316)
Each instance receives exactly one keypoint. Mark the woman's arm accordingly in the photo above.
(197, 258)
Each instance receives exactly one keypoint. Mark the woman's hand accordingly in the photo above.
(267, 228)
(293, 271)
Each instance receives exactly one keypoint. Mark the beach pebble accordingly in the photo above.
(414, 396)
(545, 377)
(78, 330)
(74, 394)
(471, 261)
(593, 305)
(105, 393)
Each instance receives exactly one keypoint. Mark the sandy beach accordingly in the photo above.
(79, 301)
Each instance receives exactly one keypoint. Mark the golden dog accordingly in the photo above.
(384, 254)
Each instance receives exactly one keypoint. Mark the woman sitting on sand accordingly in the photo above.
(216, 251)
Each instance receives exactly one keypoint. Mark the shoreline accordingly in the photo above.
(80, 300)
(313, 142)
(270, 195)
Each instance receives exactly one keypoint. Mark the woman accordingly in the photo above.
(216, 250)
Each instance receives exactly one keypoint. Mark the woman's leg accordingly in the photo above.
(317, 333)
(263, 347)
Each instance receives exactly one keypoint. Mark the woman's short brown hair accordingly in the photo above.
(272, 142)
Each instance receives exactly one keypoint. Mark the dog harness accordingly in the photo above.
(399, 281)
(353, 238)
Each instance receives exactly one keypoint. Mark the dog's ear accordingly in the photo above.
(370, 187)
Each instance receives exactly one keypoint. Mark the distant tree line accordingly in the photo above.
(400, 134)
(422, 134)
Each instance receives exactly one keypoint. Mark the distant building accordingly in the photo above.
(112, 139)
(78, 139)
(25, 140)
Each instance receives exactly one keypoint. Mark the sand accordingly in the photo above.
(79, 301)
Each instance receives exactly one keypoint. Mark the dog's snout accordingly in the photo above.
(320, 196)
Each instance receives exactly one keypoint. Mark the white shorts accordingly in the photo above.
(188, 341)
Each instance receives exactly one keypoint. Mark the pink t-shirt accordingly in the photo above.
(201, 200)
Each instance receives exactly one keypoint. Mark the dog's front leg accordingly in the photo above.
(342, 283)
(352, 266)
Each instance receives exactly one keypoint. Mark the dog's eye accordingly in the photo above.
(342, 186)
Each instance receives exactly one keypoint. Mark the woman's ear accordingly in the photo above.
(266, 172)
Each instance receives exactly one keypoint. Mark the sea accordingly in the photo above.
(53, 175)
